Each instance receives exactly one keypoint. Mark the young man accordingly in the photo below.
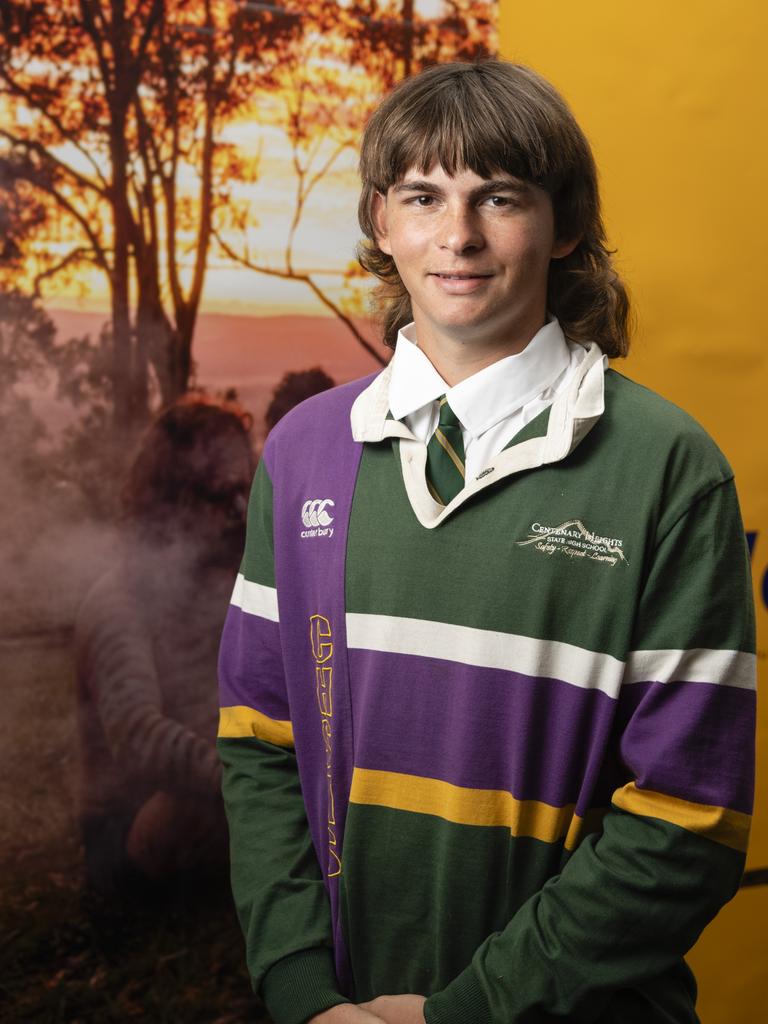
(487, 680)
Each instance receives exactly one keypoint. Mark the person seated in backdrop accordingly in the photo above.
(487, 678)
(295, 386)
(147, 638)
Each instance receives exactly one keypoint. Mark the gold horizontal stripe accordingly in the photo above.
(731, 828)
(581, 827)
(465, 806)
(446, 444)
(239, 722)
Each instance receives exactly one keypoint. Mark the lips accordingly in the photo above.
(460, 283)
(447, 276)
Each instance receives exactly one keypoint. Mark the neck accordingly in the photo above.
(455, 358)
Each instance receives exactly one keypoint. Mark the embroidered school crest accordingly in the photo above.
(573, 540)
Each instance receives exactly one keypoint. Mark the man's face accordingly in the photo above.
(473, 254)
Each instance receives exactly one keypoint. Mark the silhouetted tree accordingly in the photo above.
(332, 78)
(113, 158)
(111, 105)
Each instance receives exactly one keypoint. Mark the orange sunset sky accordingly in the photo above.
(325, 240)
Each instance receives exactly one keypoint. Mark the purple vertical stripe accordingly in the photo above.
(311, 456)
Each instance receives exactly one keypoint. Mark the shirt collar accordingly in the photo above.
(575, 410)
(488, 396)
(414, 381)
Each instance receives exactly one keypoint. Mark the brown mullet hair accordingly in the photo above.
(492, 116)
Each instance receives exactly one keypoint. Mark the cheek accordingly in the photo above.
(531, 250)
(406, 251)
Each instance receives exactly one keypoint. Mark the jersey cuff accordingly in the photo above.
(300, 986)
(463, 1000)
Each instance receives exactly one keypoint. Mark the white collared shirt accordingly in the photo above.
(574, 411)
(493, 404)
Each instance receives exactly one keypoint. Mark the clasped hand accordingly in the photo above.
(403, 1009)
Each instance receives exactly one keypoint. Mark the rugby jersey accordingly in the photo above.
(498, 753)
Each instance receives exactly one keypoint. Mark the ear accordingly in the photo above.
(563, 247)
(380, 222)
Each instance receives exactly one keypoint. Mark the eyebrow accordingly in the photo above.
(492, 187)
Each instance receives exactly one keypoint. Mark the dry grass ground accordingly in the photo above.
(179, 959)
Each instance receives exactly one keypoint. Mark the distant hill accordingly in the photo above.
(251, 353)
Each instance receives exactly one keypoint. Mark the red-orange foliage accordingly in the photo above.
(107, 105)
(109, 101)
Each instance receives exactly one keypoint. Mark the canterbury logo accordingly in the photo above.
(313, 512)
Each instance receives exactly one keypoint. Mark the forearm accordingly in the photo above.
(625, 909)
(162, 753)
(119, 674)
(346, 1013)
(277, 884)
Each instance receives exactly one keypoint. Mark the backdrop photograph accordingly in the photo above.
(178, 193)
(178, 270)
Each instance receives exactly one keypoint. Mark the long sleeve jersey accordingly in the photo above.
(499, 754)
(146, 654)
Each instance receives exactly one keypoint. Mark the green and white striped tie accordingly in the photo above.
(445, 456)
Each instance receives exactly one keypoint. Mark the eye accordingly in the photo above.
(423, 200)
(499, 202)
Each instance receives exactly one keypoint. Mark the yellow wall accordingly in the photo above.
(674, 99)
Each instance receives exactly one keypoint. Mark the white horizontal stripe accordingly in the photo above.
(485, 648)
(699, 665)
(255, 598)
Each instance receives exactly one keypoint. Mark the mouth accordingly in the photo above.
(462, 283)
(459, 277)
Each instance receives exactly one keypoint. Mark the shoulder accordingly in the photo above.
(635, 402)
(141, 575)
(652, 427)
(658, 451)
(321, 419)
(324, 408)
(107, 614)
(106, 592)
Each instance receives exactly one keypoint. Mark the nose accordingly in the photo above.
(461, 229)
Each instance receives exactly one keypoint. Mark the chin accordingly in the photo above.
(468, 329)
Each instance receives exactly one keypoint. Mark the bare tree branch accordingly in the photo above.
(80, 253)
(326, 166)
(237, 34)
(25, 94)
(206, 176)
(291, 275)
(170, 72)
(153, 19)
(150, 153)
(336, 310)
(100, 251)
(32, 146)
(91, 12)
(169, 192)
